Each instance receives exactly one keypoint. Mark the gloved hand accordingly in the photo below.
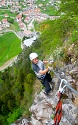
(50, 65)
(50, 68)
(51, 61)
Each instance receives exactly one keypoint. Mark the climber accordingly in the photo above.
(41, 72)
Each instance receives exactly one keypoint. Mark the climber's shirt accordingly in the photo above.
(37, 67)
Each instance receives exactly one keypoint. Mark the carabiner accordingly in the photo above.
(61, 88)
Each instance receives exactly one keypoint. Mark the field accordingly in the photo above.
(49, 10)
(10, 46)
(4, 11)
(46, 7)
(10, 14)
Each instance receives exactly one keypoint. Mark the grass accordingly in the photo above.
(49, 10)
(10, 14)
(14, 26)
(43, 2)
(10, 46)
(2, 12)
(1, 17)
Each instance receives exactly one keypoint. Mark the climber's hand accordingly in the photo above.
(51, 61)
(50, 68)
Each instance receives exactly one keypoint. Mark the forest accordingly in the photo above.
(17, 82)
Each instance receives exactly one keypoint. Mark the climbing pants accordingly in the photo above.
(45, 82)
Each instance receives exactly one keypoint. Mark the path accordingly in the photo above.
(8, 63)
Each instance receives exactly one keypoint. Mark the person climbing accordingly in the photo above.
(42, 73)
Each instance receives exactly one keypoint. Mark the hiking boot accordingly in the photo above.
(48, 94)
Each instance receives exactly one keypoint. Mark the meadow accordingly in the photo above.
(47, 7)
(10, 46)
(6, 11)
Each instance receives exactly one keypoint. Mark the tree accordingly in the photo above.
(69, 7)
(30, 78)
(10, 20)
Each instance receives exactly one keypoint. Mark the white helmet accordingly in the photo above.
(33, 56)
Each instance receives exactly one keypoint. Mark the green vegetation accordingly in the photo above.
(3, 7)
(42, 2)
(10, 14)
(49, 10)
(10, 20)
(14, 26)
(1, 17)
(14, 116)
(58, 40)
(46, 7)
(8, 43)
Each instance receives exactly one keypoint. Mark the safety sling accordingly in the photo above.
(58, 111)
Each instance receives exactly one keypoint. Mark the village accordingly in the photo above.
(27, 12)
(23, 14)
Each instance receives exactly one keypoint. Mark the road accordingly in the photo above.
(8, 63)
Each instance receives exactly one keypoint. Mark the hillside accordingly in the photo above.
(58, 41)
(10, 46)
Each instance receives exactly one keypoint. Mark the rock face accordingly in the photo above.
(43, 107)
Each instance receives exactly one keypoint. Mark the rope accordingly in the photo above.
(66, 83)
(58, 112)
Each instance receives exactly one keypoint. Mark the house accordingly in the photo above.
(27, 33)
(26, 13)
(21, 25)
(3, 3)
(0, 27)
(5, 23)
(37, 10)
(6, 15)
(19, 17)
(27, 19)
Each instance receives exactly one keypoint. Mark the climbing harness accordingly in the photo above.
(58, 111)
